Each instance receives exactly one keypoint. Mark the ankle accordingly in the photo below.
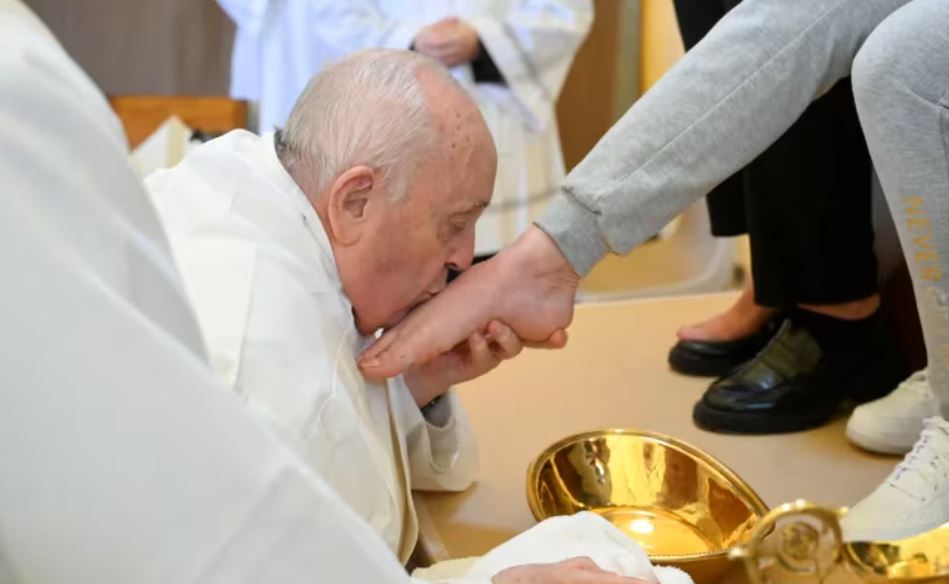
(854, 310)
(761, 313)
(541, 256)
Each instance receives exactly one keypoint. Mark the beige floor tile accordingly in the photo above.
(614, 374)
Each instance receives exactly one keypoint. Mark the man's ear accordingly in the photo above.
(348, 204)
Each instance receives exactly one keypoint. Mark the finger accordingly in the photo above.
(382, 344)
(436, 45)
(453, 61)
(586, 571)
(436, 52)
(449, 57)
(480, 352)
(602, 577)
(557, 340)
(503, 336)
(438, 38)
(444, 52)
(580, 563)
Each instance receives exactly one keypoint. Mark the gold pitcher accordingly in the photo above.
(689, 510)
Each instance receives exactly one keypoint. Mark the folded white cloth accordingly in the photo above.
(555, 540)
(164, 148)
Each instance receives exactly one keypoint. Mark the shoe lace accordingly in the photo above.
(928, 459)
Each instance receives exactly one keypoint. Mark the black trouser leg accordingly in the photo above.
(805, 202)
(809, 206)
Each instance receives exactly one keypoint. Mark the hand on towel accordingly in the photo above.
(574, 571)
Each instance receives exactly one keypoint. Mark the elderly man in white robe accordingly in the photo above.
(511, 55)
(123, 460)
(296, 247)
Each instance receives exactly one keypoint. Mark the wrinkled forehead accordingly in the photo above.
(458, 176)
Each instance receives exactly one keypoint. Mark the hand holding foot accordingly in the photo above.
(528, 286)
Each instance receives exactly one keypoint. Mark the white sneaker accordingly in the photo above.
(915, 497)
(892, 423)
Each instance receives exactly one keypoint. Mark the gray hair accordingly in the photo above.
(370, 109)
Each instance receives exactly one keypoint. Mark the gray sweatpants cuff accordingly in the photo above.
(574, 229)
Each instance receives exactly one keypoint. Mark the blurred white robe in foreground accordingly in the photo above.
(123, 462)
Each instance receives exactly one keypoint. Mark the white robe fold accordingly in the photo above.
(261, 274)
(122, 460)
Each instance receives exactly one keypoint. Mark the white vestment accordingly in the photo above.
(122, 460)
(261, 275)
(280, 45)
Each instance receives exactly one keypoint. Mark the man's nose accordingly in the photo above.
(462, 254)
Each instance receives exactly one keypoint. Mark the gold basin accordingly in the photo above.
(684, 507)
(924, 558)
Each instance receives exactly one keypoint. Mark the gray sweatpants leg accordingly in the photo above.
(731, 97)
(901, 84)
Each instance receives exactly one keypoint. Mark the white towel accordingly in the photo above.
(558, 539)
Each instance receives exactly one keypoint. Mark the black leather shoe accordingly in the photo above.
(811, 368)
(719, 358)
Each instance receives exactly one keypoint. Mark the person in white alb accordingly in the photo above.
(511, 55)
(123, 461)
(296, 246)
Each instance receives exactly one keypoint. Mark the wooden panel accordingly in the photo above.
(661, 42)
(141, 115)
(145, 46)
(585, 108)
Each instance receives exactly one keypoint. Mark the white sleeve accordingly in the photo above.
(353, 25)
(123, 462)
(248, 15)
(533, 45)
(443, 456)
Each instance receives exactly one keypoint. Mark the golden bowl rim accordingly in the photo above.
(855, 562)
(760, 507)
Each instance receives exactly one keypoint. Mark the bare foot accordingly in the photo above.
(529, 286)
(740, 320)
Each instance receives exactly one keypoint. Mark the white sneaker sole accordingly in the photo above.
(876, 534)
(882, 444)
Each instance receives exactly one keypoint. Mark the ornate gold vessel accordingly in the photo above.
(804, 539)
(690, 511)
(684, 507)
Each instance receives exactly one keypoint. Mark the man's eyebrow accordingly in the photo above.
(476, 206)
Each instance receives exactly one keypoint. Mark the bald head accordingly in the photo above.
(391, 110)
(398, 163)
